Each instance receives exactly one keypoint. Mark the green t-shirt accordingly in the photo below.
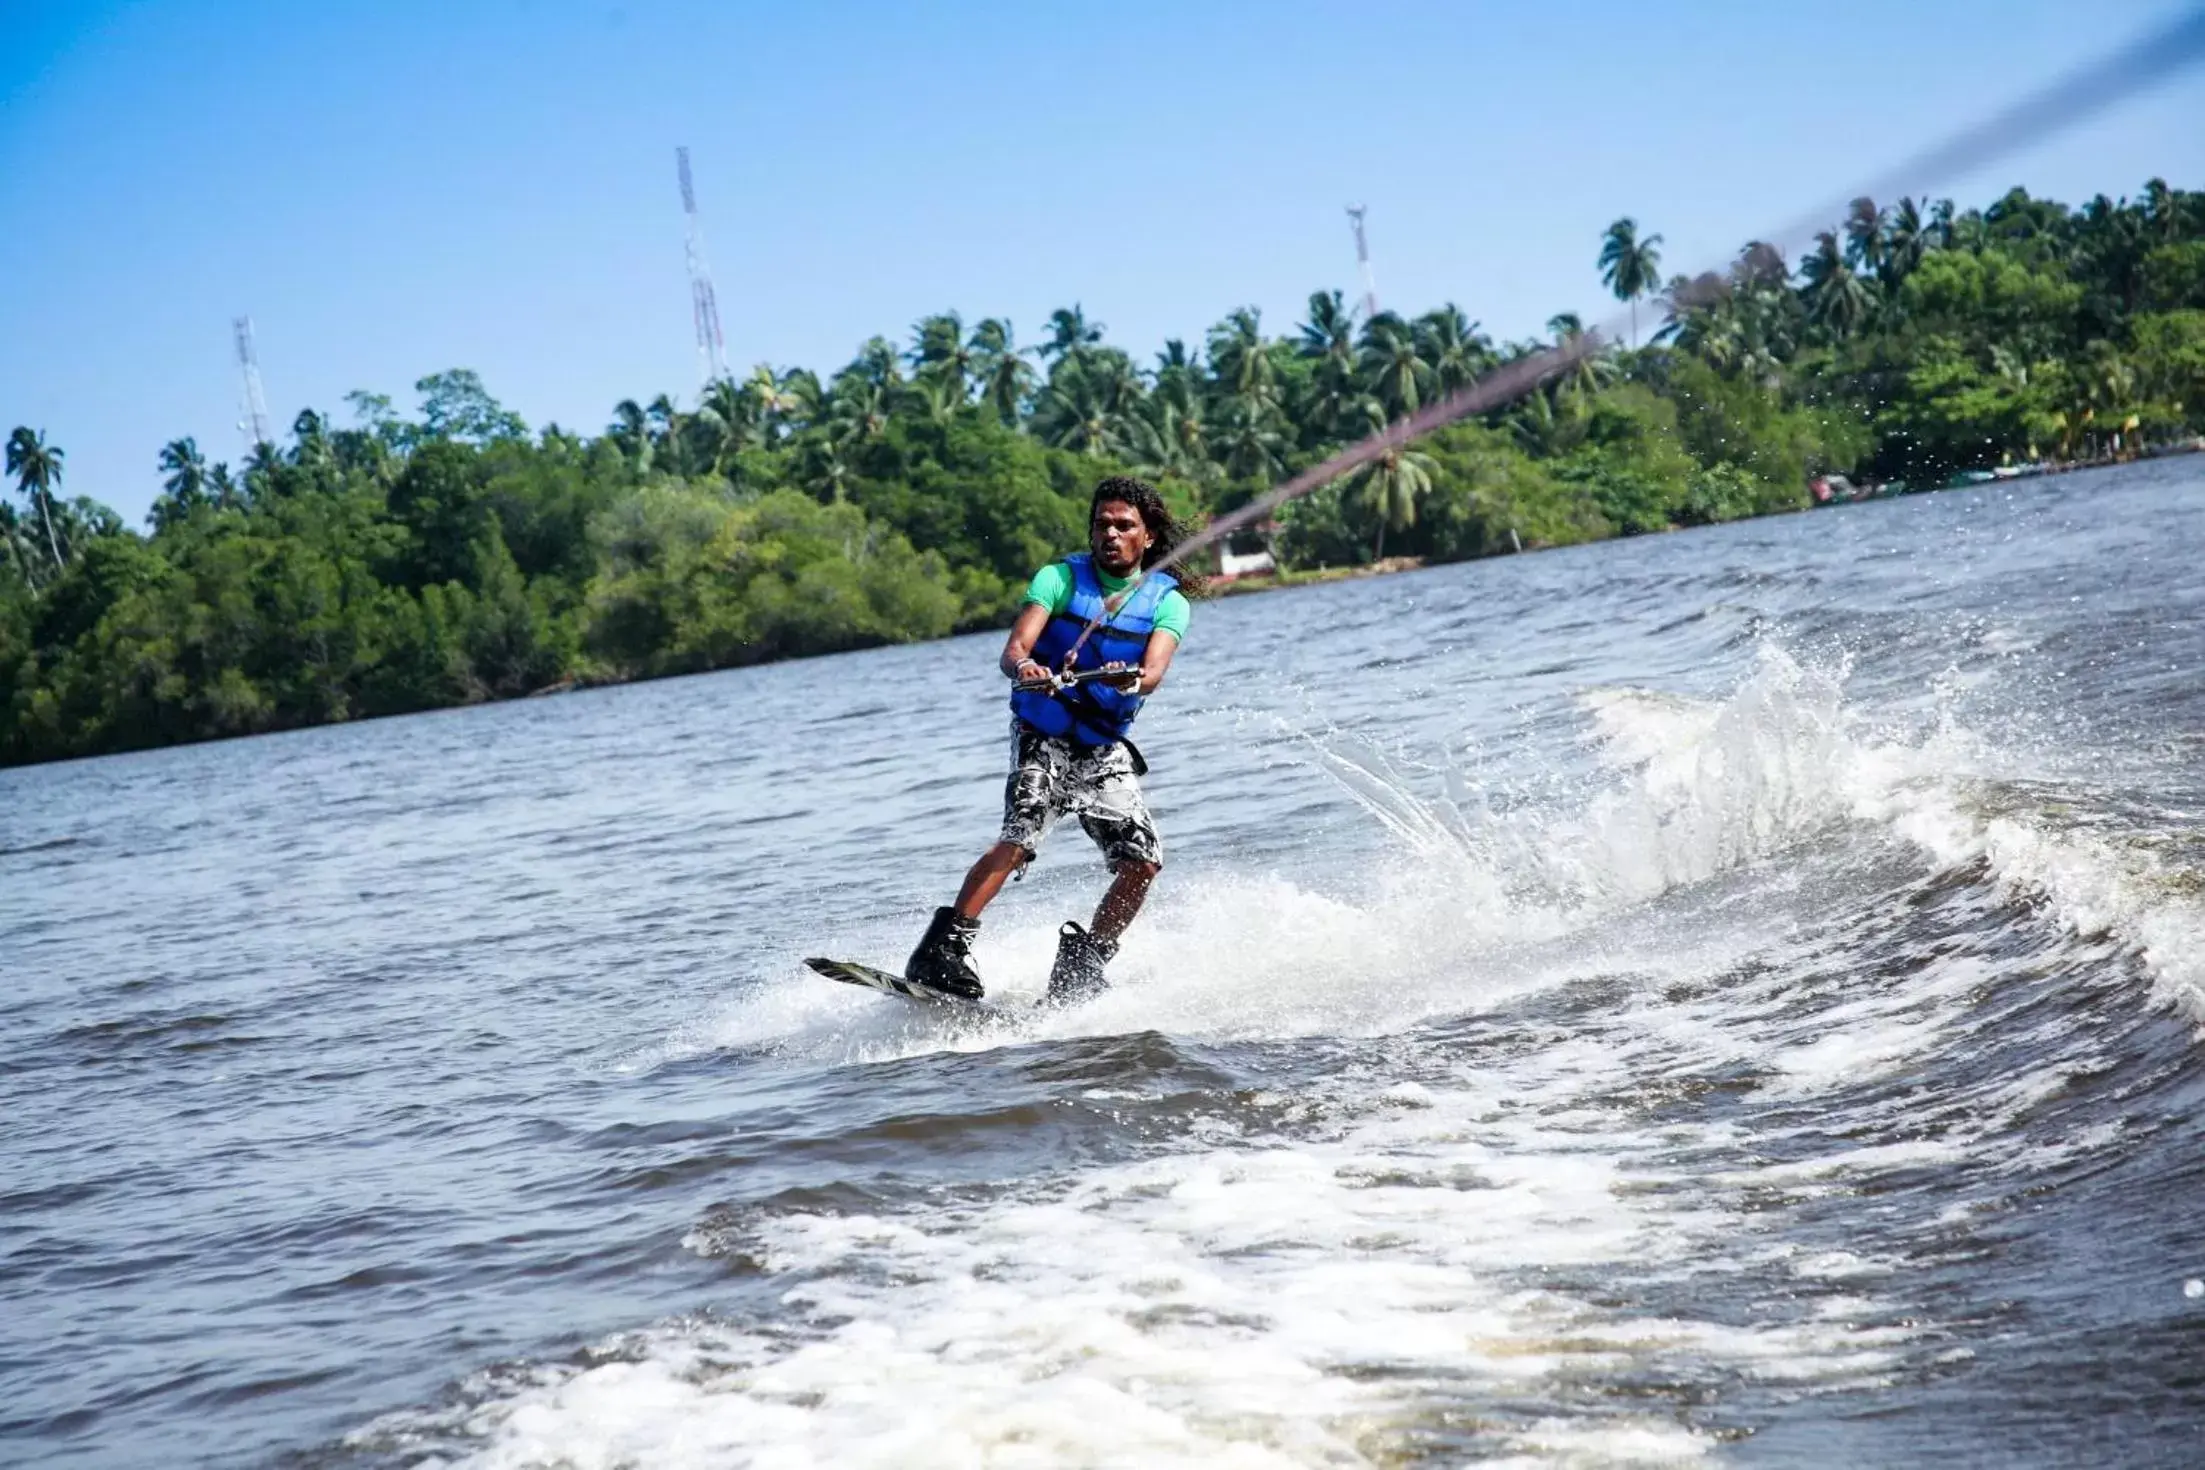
(1052, 588)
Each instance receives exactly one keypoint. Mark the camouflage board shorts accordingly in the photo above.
(1098, 784)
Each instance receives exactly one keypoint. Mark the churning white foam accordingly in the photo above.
(1265, 1304)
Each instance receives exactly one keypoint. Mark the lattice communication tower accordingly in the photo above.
(1362, 260)
(254, 404)
(711, 349)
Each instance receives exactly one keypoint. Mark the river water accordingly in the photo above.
(1729, 996)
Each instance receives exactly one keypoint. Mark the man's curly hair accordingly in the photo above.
(1164, 529)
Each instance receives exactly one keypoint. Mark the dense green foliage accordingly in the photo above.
(403, 564)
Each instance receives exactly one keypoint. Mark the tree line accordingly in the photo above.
(397, 563)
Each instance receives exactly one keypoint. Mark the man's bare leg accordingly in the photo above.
(1123, 901)
(990, 873)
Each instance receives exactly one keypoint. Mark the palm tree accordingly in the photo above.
(1121, 388)
(731, 407)
(859, 406)
(263, 468)
(1070, 412)
(1834, 295)
(875, 363)
(1715, 333)
(1397, 375)
(1905, 242)
(1590, 370)
(1175, 433)
(1004, 374)
(1070, 332)
(821, 469)
(1537, 430)
(1089, 403)
(1329, 334)
(1333, 402)
(1175, 361)
(935, 397)
(1389, 488)
(1328, 340)
(724, 400)
(939, 351)
(1864, 236)
(1452, 343)
(187, 470)
(1249, 442)
(1629, 266)
(727, 419)
(1240, 362)
(631, 431)
(801, 401)
(2162, 212)
(184, 489)
(1773, 319)
(1747, 329)
(36, 466)
(669, 426)
(1685, 295)
(223, 489)
(776, 402)
(1173, 413)
(1942, 227)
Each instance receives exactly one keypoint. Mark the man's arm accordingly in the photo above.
(1155, 659)
(1018, 648)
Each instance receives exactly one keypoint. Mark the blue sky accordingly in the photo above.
(398, 188)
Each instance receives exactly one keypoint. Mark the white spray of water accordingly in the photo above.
(1692, 789)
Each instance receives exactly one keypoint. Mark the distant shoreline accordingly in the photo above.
(1238, 587)
(1293, 577)
(2006, 474)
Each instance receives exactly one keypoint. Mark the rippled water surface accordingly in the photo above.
(1729, 996)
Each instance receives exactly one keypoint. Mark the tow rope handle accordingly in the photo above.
(1072, 678)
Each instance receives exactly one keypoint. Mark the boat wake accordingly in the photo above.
(1553, 1134)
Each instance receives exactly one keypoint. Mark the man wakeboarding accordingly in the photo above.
(1089, 645)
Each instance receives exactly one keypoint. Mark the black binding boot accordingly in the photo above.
(943, 960)
(1078, 973)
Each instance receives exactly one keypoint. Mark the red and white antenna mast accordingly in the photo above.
(254, 403)
(1362, 259)
(711, 350)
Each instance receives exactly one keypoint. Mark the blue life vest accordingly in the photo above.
(1092, 714)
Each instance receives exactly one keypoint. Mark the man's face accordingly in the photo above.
(1118, 537)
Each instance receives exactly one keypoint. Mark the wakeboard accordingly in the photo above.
(872, 979)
